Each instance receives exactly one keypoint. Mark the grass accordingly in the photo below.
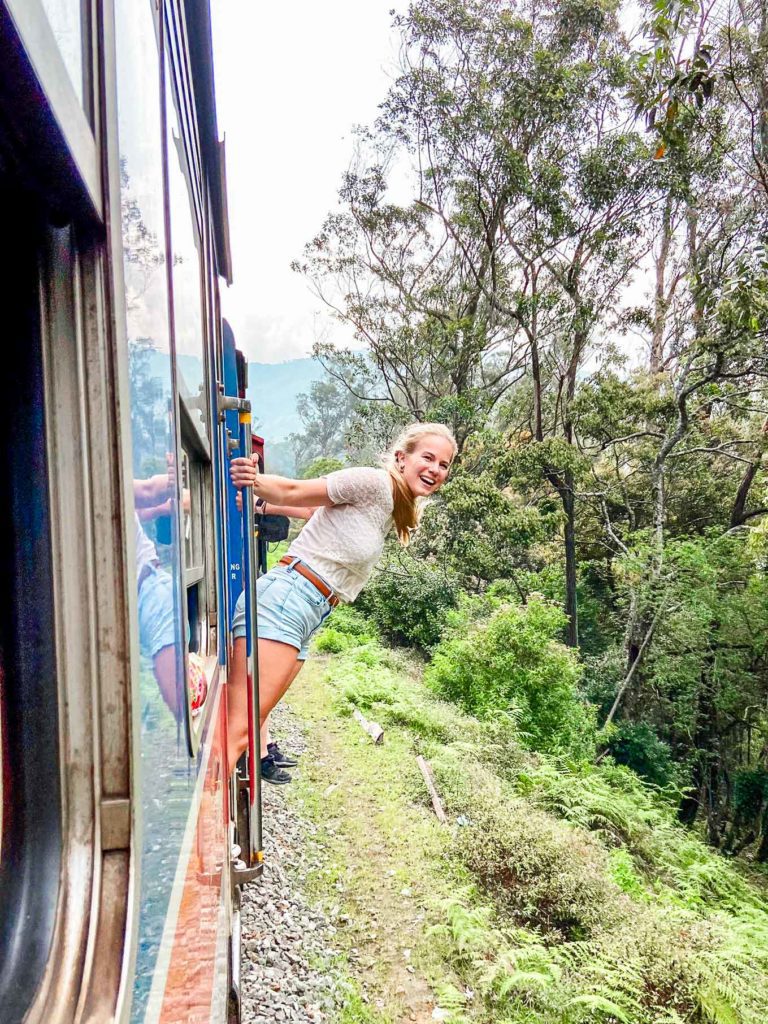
(275, 552)
(559, 894)
(384, 856)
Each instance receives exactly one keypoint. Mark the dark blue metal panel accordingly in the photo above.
(31, 826)
(220, 498)
(235, 550)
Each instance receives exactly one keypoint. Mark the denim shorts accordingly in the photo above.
(157, 623)
(290, 609)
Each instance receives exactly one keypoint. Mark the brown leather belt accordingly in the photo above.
(315, 580)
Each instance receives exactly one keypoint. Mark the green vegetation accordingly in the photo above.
(562, 891)
(512, 662)
(576, 282)
(275, 552)
(408, 599)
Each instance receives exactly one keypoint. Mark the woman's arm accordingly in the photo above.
(292, 511)
(279, 490)
(153, 491)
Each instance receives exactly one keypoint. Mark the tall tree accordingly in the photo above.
(528, 192)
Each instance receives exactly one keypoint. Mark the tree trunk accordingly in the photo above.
(715, 809)
(739, 508)
(689, 807)
(761, 856)
(661, 303)
(538, 426)
(571, 597)
(706, 772)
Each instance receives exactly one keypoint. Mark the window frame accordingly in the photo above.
(176, 93)
(71, 117)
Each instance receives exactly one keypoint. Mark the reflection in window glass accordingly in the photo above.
(187, 282)
(66, 20)
(166, 790)
(194, 557)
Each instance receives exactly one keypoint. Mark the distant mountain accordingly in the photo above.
(272, 389)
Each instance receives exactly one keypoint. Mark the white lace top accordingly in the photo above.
(343, 542)
(146, 553)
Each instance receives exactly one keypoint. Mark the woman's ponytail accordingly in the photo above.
(405, 512)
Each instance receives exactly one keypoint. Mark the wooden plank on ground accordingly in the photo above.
(373, 729)
(426, 771)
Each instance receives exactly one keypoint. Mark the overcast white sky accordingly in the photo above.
(292, 80)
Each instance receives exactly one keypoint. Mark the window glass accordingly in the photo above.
(66, 20)
(194, 557)
(195, 479)
(158, 476)
(187, 281)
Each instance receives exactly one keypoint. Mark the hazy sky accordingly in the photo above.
(292, 80)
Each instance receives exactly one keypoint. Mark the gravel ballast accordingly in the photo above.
(288, 945)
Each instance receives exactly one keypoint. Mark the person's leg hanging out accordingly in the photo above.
(278, 667)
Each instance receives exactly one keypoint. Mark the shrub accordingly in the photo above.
(545, 873)
(350, 621)
(331, 641)
(426, 719)
(512, 662)
(344, 630)
(408, 600)
(357, 686)
(637, 746)
(471, 611)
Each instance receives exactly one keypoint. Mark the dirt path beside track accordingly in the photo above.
(336, 931)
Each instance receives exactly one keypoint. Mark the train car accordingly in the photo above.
(124, 839)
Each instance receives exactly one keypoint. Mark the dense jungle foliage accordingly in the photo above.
(562, 891)
(554, 240)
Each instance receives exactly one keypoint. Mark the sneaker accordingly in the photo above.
(270, 772)
(281, 760)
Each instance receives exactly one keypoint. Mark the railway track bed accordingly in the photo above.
(288, 941)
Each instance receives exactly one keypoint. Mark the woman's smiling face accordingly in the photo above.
(426, 468)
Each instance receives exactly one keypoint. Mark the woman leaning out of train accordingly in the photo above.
(332, 557)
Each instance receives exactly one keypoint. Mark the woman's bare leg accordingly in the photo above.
(165, 668)
(278, 667)
(265, 737)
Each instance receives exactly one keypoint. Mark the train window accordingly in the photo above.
(193, 479)
(54, 38)
(186, 243)
(191, 343)
(201, 640)
(68, 20)
(194, 556)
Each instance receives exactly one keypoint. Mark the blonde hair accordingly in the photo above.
(406, 510)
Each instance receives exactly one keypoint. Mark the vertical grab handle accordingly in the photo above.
(256, 849)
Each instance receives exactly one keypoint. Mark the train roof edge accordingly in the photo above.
(200, 38)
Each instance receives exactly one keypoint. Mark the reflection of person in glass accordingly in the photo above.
(331, 559)
(153, 497)
(157, 632)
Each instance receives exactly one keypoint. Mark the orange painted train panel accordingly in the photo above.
(192, 979)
